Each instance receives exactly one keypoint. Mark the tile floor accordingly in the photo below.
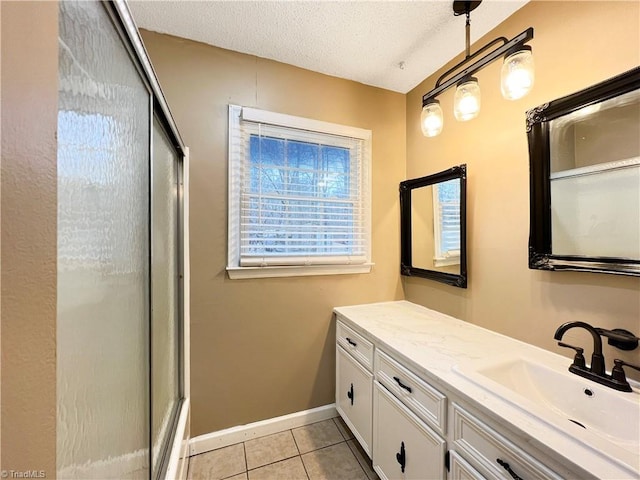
(321, 451)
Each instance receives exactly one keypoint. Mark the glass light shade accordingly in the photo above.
(431, 119)
(517, 75)
(466, 102)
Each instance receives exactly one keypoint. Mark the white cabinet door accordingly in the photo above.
(353, 397)
(404, 447)
(461, 470)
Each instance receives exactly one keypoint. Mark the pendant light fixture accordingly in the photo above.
(466, 102)
(431, 120)
(516, 77)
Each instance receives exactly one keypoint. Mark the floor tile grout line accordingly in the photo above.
(280, 459)
(305, 468)
(350, 451)
(338, 427)
(231, 476)
(366, 475)
(325, 447)
(294, 441)
(329, 445)
(300, 455)
(306, 453)
(246, 463)
(273, 463)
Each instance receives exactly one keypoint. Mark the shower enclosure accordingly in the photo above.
(122, 378)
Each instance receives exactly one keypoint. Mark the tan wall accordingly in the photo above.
(28, 292)
(265, 347)
(422, 231)
(576, 44)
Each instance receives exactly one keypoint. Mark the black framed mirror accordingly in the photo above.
(584, 154)
(433, 226)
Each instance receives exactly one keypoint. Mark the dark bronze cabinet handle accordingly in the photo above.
(351, 342)
(401, 457)
(350, 394)
(402, 385)
(506, 466)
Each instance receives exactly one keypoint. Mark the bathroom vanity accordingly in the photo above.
(429, 396)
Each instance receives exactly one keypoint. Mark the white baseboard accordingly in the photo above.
(242, 433)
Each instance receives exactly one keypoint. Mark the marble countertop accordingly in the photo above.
(439, 347)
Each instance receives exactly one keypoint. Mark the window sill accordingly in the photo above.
(446, 261)
(239, 273)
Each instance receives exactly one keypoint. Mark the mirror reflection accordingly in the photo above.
(595, 179)
(432, 226)
(584, 154)
(435, 227)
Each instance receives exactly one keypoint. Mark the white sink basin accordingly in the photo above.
(559, 397)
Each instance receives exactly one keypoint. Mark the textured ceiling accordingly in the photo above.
(389, 44)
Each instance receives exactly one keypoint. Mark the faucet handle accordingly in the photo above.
(619, 338)
(617, 373)
(578, 360)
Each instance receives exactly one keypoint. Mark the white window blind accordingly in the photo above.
(446, 203)
(301, 195)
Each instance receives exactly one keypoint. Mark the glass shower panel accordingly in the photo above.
(165, 319)
(103, 251)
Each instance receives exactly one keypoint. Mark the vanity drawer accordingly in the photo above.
(460, 468)
(420, 397)
(491, 453)
(355, 344)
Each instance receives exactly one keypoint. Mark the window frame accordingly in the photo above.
(238, 114)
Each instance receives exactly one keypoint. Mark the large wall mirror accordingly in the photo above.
(584, 152)
(433, 227)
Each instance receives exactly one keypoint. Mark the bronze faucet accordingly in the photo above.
(619, 338)
(597, 359)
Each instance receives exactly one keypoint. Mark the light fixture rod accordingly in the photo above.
(467, 31)
(470, 57)
(516, 41)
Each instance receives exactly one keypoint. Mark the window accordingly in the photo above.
(299, 196)
(446, 212)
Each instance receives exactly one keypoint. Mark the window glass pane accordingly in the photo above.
(337, 163)
(279, 220)
(267, 151)
(302, 155)
(449, 204)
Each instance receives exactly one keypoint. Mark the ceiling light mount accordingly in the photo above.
(464, 7)
(517, 71)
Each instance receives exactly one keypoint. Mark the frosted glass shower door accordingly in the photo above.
(103, 251)
(165, 297)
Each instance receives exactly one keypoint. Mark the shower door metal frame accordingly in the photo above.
(173, 464)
